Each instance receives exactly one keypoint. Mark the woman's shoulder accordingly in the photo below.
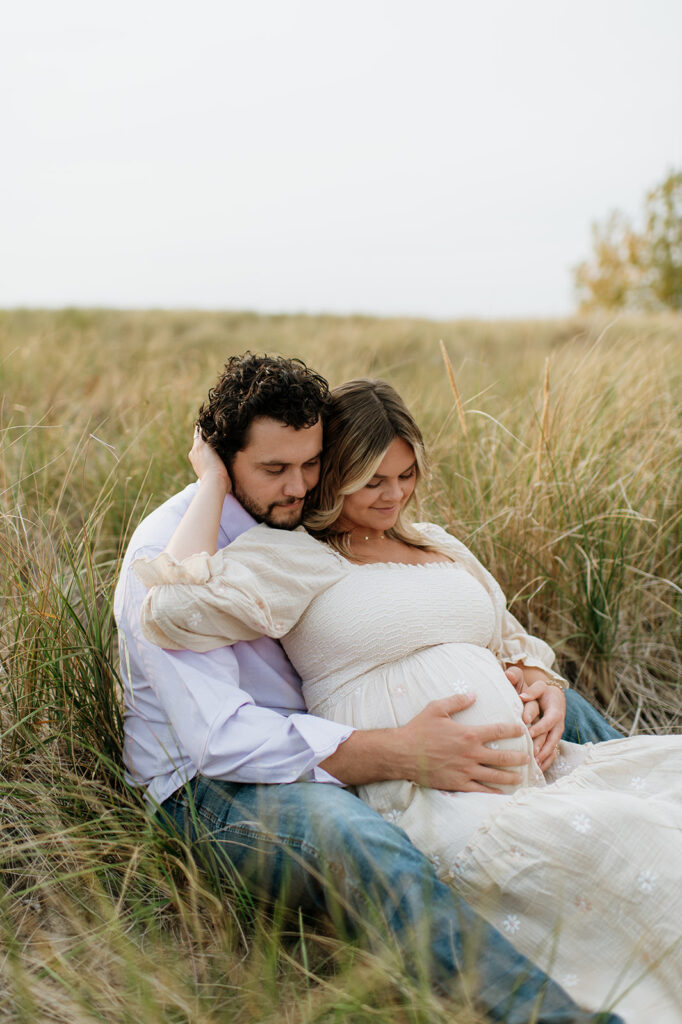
(440, 538)
(438, 535)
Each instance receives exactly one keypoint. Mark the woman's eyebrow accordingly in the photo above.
(382, 476)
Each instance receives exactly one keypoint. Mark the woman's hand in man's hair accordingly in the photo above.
(206, 462)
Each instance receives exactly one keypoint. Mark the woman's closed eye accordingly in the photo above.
(408, 475)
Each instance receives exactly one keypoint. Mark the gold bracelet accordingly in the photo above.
(555, 682)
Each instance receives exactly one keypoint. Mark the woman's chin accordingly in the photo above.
(386, 520)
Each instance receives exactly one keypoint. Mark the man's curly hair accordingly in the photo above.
(250, 386)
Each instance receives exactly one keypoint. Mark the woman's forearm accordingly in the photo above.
(198, 529)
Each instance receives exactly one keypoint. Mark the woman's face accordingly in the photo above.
(375, 506)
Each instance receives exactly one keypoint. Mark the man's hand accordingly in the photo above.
(454, 757)
(433, 750)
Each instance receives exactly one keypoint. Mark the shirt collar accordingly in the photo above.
(234, 521)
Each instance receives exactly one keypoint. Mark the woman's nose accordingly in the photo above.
(392, 490)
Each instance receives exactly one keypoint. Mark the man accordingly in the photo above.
(227, 755)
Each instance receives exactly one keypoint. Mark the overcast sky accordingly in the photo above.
(427, 157)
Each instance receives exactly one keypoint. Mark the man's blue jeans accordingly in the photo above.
(584, 724)
(320, 848)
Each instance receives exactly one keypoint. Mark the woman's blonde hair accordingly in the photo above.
(365, 416)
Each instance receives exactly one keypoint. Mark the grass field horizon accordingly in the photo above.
(561, 471)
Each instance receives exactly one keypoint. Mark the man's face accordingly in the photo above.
(273, 473)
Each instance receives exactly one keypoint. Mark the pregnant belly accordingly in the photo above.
(392, 694)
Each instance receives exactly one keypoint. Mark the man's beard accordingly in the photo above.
(264, 513)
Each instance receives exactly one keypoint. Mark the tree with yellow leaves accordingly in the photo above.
(637, 270)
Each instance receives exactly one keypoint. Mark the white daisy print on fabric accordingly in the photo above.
(511, 924)
(194, 620)
(460, 686)
(581, 823)
(646, 880)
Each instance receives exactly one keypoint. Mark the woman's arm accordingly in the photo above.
(198, 528)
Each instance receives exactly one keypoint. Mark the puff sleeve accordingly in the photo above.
(259, 585)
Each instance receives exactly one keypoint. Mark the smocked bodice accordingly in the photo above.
(381, 613)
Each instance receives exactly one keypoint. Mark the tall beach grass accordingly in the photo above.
(560, 469)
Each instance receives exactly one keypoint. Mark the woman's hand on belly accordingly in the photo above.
(544, 714)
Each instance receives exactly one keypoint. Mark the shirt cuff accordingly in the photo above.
(323, 737)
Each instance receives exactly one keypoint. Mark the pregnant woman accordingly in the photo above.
(579, 866)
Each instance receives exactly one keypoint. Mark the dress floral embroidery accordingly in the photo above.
(460, 686)
(511, 924)
(646, 880)
(581, 823)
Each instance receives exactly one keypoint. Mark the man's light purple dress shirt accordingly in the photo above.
(235, 713)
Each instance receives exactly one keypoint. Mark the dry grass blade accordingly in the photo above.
(453, 386)
(543, 438)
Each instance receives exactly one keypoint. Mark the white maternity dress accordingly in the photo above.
(580, 869)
